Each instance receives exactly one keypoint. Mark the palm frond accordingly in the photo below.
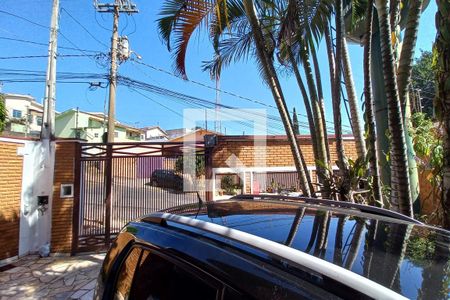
(180, 18)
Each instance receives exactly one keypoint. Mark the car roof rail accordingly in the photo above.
(361, 207)
(283, 252)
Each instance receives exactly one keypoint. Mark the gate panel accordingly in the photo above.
(92, 203)
(122, 182)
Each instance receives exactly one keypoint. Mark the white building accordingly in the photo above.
(24, 115)
(154, 134)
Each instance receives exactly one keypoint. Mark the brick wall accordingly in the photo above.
(278, 151)
(62, 208)
(10, 193)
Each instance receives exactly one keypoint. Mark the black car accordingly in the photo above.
(276, 248)
(166, 179)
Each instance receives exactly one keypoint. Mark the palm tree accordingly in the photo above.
(370, 118)
(342, 160)
(301, 24)
(400, 187)
(442, 48)
(181, 18)
(352, 100)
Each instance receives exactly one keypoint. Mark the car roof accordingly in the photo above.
(391, 250)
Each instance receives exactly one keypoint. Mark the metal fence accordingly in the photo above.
(116, 183)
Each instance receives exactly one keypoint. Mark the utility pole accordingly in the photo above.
(48, 124)
(217, 122)
(119, 6)
(113, 77)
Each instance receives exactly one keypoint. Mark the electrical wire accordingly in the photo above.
(219, 90)
(44, 56)
(84, 28)
(44, 44)
(46, 27)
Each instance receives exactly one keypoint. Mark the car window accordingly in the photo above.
(158, 278)
(126, 274)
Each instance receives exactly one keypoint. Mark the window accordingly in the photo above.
(126, 274)
(39, 120)
(30, 119)
(146, 275)
(116, 134)
(158, 278)
(96, 135)
(17, 113)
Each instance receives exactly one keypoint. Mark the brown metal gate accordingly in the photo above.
(116, 183)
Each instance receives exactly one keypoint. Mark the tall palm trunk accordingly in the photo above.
(275, 87)
(370, 118)
(309, 114)
(352, 100)
(400, 189)
(319, 126)
(407, 54)
(403, 83)
(442, 47)
(342, 161)
(321, 102)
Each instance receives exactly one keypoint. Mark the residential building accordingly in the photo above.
(174, 133)
(91, 126)
(154, 134)
(193, 135)
(24, 115)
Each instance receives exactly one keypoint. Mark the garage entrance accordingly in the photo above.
(116, 183)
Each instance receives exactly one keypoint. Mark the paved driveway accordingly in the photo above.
(51, 277)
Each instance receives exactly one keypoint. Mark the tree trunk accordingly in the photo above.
(319, 126)
(272, 81)
(321, 102)
(400, 188)
(442, 48)
(352, 100)
(342, 161)
(407, 54)
(403, 83)
(370, 118)
(309, 114)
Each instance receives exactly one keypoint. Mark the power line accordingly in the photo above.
(45, 56)
(46, 27)
(24, 19)
(44, 44)
(215, 89)
(177, 96)
(84, 28)
(153, 100)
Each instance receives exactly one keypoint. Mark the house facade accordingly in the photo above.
(264, 164)
(91, 126)
(154, 134)
(24, 115)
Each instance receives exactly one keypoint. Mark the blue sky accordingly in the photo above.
(132, 108)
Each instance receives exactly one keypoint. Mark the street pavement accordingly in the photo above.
(51, 277)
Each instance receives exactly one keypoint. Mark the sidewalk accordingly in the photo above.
(51, 277)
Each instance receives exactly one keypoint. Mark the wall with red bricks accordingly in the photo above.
(62, 208)
(11, 166)
(278, 151)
